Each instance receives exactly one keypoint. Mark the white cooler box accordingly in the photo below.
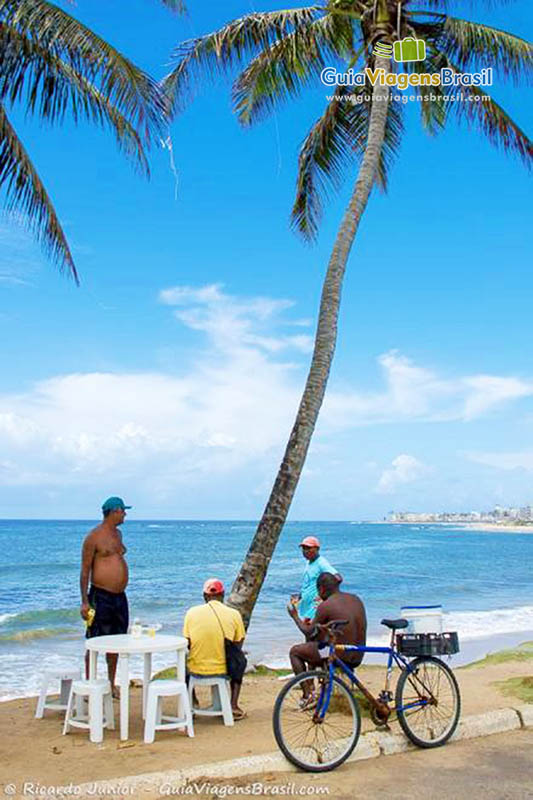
(423, 619)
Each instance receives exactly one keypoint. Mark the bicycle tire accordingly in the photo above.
(430, 725)
(308, 744)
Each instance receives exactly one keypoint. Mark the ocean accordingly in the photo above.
(482, 580)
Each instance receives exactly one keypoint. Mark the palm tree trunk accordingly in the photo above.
(248, 583)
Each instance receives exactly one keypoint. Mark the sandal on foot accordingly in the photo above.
(308, 702)
(238, 714)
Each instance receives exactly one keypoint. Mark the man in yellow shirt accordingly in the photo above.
(206, 626)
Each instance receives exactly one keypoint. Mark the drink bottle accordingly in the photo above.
(90, 617)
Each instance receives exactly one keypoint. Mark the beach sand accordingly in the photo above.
(490, 526)
(471, 526)
(35, 751)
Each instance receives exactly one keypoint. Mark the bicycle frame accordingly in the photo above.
(393, 657)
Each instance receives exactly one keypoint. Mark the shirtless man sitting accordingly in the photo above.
(336, 605)
(102, 560)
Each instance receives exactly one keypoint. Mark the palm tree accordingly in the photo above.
(53, 65)
(287, 52)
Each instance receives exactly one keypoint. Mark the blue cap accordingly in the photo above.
(113, 503)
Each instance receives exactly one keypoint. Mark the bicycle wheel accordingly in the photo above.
(309, 742)
(428, 702)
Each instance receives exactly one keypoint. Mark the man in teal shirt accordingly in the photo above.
(316, 565)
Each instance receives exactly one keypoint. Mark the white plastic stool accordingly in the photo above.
(220, 697)
(65, 678)
(100, 699)
(155, 720)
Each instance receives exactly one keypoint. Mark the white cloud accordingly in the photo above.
(231, 408)
(211, 421)
(504, 461)
(484, 392)
(16, 428)
(233, 323)
(10, 280)
(229, 414)
(404, 469)
(418, 394)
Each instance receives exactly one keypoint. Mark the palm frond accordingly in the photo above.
(324, 155)
(221, 50)
(480, 110)
(433, 108)
(26, 192)
(175, 5)
(333, 142)
(445, 4)
(52, 88)
(472, 45)
(391, 145)
(127, 87)
(286, 67)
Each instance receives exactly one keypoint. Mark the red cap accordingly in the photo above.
(309, 541)
(213, 586)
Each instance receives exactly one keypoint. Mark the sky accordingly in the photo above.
(172, 375)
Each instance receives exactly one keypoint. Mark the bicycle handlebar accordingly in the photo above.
(329, 629)
(335, 624)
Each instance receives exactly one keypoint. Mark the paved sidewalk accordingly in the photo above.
(498, 767)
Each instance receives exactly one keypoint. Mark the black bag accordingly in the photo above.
(235, 658)
(235, 661)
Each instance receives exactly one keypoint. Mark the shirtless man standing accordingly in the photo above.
(102, 560)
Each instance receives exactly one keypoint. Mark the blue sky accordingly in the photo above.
(172, 375)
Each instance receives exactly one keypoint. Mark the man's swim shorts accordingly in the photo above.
(112, 614)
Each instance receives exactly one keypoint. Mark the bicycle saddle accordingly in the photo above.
(395, 624)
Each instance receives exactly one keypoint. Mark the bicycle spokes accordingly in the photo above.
(428, 702)
(317, 733)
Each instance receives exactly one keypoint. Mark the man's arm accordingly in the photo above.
(321, 617)
(87, 558)
(239, 632)
(186, 630)
(304, 627)
(327, 567)
(124, 548)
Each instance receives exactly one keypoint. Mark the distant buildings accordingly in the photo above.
(499, 515)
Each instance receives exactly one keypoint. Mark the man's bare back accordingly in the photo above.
(343, 605)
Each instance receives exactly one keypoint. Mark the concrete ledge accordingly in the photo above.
(370, 745)
(367, 747)
(152, 781)
(499, 721)
(391, 743)
(525, 713)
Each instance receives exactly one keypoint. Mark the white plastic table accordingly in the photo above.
(126, 645)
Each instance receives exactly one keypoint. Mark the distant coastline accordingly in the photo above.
(500, 527)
